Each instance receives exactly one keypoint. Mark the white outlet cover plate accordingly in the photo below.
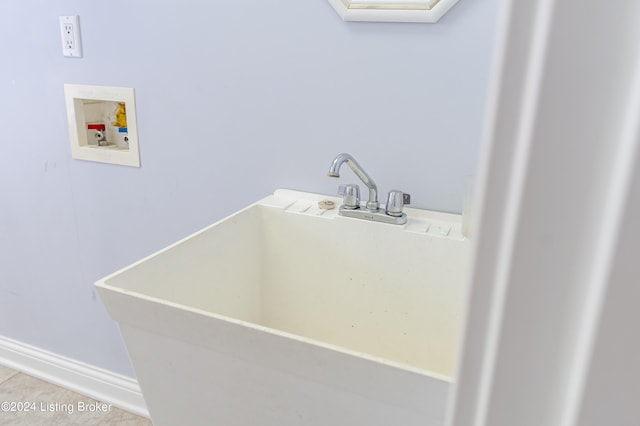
(76, 95)
(70, 33)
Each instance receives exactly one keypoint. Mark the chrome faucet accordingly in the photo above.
(334, 171)
(351, 204)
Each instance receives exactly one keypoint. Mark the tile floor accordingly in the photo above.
(25, 400)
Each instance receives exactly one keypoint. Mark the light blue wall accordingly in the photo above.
(234, 100)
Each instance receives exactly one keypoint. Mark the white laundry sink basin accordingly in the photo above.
(287, 314)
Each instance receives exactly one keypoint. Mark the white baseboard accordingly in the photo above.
(102, 385)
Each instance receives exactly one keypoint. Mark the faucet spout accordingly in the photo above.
(334, 171)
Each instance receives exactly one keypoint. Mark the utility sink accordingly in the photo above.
(285, 313)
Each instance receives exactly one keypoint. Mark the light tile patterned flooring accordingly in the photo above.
(25, 400)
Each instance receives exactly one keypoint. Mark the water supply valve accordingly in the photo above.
(99, 133)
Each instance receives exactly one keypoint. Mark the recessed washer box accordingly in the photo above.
(102, 124)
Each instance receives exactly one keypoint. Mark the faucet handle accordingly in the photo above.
(396, 200)
(351, 195)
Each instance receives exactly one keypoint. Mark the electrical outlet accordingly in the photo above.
(70, 32)
(69, 42)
